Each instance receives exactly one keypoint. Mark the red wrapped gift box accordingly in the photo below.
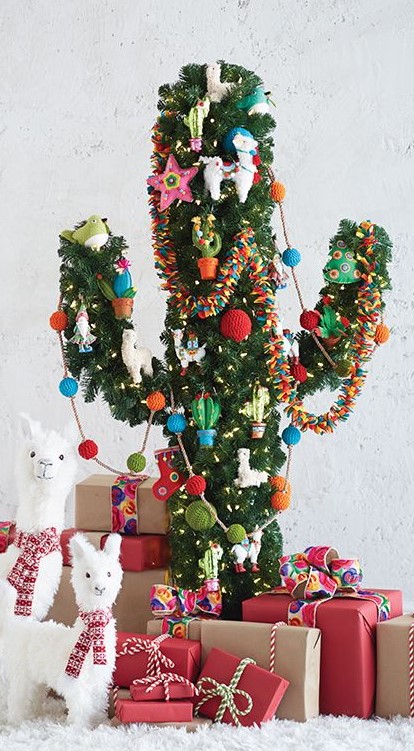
(265, 689)
(185, 654)
(128, 710)
(138, 553)
(177, 691)
(348, 660)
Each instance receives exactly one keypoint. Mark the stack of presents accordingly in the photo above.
(318, 644)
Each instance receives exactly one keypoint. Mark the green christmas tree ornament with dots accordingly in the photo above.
(342, 267)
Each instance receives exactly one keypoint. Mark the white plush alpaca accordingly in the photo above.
(135, 358)
(185, 353)
(241, 172)
(32, 565)
(216, 90)
(248, 477)
(76, 661)
(248, 549)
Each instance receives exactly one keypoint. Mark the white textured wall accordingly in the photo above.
(78, 97)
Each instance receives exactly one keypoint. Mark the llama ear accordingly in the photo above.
(113, 546)
(79, 546)
(28, 427)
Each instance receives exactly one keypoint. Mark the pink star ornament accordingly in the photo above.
(173, 183)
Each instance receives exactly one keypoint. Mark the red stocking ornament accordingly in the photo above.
(171, 479)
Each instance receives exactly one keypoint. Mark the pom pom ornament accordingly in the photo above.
(88, 449)
(291, 257)
(299, 372)
(195, 485)
(189, 352)
(243, 172)
(256, 409)
(155, 401)
(291, 435)
(176, 423)
(309, 319)
(194, 122)
(342, 267)
(208, 242)
(235, 324)
(173, 183)
(280, 501)
(236, 533)
(277, 191)
(206, 412)
(382, 334)
(93, 233)
(82, 334)
(58, 321)
(280, 483)
(68, 387)
(343, 368)
(199, 516)
(136, 462)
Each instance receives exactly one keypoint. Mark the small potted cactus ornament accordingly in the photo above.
(209, 243)
(194, 122)
(206, 411)
(256, 409)
(122, 293)
(330, 328)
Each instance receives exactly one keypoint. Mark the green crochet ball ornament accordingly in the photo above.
(199, 517)
(236, 533)
(136, 462)
(343, 368)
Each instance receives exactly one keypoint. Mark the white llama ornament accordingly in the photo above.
(248, 549)
(134, 357)
(248, 477)
(217, 90)
(242, 172)
(189, 352)
(32, 565)
(78, 661)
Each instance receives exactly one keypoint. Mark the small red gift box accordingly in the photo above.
(256, 693)
(185, 655)
(140, 692)
(348, 660)
(128, 710)
(138, 553)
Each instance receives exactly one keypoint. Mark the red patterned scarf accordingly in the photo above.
(25, 571)
(93, 635)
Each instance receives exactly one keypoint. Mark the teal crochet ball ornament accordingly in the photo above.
(291, 257)
(68, 387)
(291, 435)
(176, 423)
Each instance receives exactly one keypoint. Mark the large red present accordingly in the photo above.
(138, 553)
(236, 691)
(128, 710)
(142, 656)
(347, 622)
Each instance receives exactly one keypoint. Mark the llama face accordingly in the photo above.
(96, 574)
(46, 459)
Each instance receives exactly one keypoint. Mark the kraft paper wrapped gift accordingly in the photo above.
(93, 506)
(348, 654)
(393, 696)
(193, 628)
(131, 609)
(264, 690)
(138, 552)
(184, 653)
(296, 658)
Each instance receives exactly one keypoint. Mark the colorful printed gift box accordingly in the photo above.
(190, 628)
(7, 531)
(347, 622)
(395, 667)
(237, 692)
(140, 656)
(106, 503)
(138, 552)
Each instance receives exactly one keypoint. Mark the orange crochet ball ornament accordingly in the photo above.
(155, 401)
(58, 321)
(382, 334)
(280, 501)
(277, 192)
(278, 483)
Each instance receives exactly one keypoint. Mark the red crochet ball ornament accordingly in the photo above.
(88, 449)
(299, 372)
(58, 321)
(195, 485)
(236, 325)
(309, 319)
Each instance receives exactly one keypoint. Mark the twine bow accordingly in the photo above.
(227, 693)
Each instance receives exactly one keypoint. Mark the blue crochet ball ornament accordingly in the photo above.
(228, 144)
(68, 387)
(176, 423)
(291, 257)
(291, 435)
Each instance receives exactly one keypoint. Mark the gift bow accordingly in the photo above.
(316, 576)
(166, 600)
(163, 679)
(227, 693)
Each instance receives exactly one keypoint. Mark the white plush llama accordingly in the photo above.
(76, 661)
(32, 565)
(184, 354)
(216, 90)
(135, 358)
(248, 549)
(241, 172)
(248, 477)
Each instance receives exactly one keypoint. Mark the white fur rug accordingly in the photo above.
(321, 734)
